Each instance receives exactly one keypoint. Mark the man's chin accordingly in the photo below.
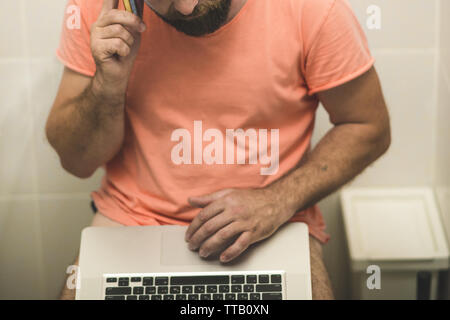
(196, 31)
(197, 26)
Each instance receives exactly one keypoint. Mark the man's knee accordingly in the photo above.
(320, 282)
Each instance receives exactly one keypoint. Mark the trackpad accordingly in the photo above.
(175, 251)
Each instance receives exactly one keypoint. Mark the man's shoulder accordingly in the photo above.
(315, 5)
(309, 12)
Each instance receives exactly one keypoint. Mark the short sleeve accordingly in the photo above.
(74, 49)
(337, 50)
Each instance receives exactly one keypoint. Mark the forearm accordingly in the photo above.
(87, 131)
(344, 152)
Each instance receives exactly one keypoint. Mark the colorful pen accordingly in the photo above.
(127, 5)
(134, 6)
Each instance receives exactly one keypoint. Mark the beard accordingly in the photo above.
(207, 17)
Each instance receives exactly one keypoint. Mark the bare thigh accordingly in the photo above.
(320, 281)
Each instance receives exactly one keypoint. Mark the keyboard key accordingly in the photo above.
(148, 281)
(272, 296)
(157, 297)
(136, 279)
(217, 296)
(162, 281)
(211, 289)
(163, 290)
(124, 283)
(242, 296)
(237, 279)
(175, 290)
(138, 290)
(205, 297)
(275, 278)
(268, 287)
(236, 288)
(224, 289)
(230, 296)
(150, 290)
(114, 297)
(255, 296)
(199, 289)
(193, 297)
(111, 280)
(118, 291)
(252, 279)
(195, 280)
(124, 279)
(263, 278)
(180, 297)
(249, 288)
(144, 297)
(187, 289)
(131, 297)
(169, 297)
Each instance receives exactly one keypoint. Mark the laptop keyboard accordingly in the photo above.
(261, 285)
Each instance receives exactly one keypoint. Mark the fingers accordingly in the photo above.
(132, 22)
(116, 46)
(202, 217)
(208, 229)
(117, 31)
(221, 239)
(202, 201)
(237, 248)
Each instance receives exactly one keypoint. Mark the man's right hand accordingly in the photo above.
(115, 40)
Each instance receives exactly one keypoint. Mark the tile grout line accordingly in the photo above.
(435, 98)
(37, 218)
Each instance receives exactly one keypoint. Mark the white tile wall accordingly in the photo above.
(404, 23)
(443, 129)
(43, 209)
(44, 27)
(445, 34)
(62, 219)
(20, 249)
(17, 165)
(12, 31)
(442, 165)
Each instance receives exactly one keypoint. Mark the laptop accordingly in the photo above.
(154, 263)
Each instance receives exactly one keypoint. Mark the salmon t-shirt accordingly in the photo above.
(232, 109)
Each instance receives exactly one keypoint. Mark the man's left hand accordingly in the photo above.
(233, 219)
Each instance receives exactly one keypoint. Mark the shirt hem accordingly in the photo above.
(343, 80)
(72, 66)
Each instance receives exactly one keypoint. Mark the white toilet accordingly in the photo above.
(396, 242)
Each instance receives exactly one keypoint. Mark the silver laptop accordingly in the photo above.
(154, 263)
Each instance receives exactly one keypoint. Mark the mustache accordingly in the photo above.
(202, 9)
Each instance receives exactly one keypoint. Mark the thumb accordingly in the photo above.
(203, 201)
